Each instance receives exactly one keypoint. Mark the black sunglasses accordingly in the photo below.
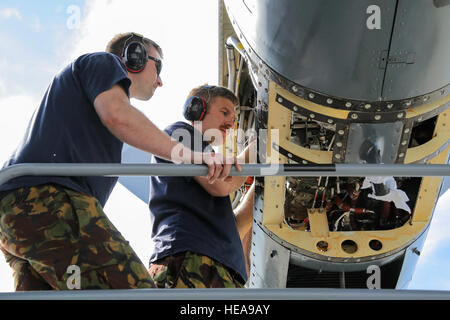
(158, 64)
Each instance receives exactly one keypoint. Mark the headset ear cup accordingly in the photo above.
(194, 109)
(135, 57)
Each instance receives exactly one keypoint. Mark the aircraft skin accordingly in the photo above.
(339, 82)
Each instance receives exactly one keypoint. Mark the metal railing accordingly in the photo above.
(256, 170)
(231, 294)
(355, 170)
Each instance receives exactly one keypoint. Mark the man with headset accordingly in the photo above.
(51, 227)
(195, 233)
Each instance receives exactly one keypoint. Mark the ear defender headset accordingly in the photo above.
(195, 107)
(135, 55)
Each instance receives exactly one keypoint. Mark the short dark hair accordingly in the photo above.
(116, 45)
(208, 93)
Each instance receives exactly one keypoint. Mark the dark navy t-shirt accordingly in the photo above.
(66, 128)
(186, 217)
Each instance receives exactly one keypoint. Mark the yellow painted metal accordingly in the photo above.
(319, 223)
(415, 112)
(278, 124)
(428, 192)
(390, 239)
(417, 153)
(280, 118)
(440, 137)
(320, 240)
(314, 156)
(311, 106)
(274, 195)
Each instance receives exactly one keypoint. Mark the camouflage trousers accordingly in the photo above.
(48, 233)
(190, 270)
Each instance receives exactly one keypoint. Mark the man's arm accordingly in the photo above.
(244, 212)
(223, 188)
(131, 126)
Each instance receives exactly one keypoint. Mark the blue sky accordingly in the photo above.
(33, 41)
(36, 42)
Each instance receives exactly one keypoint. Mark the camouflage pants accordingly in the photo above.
(191, 270)
(47, 228)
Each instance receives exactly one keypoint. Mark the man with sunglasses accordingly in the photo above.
(53, 231)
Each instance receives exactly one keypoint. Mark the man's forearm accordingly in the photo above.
(130, 125)
(134, 128)
(222, 188)
(236, 182)
(244, 212)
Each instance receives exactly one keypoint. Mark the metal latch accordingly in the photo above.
(407, 57)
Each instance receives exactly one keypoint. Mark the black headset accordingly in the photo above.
(195, 107)
(135, 54)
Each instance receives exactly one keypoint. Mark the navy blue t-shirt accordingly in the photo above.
(186, 217)
(66, 128)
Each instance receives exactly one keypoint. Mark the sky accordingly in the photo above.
(37, 39)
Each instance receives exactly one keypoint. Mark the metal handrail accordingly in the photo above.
(256, 170)
(160, 169)
(231, 294)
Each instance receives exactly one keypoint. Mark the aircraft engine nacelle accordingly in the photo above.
(353, 81)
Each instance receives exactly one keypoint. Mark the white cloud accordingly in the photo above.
(2, 88)
(6, 276)
(9, 13)
(438, 235)
(15, 113)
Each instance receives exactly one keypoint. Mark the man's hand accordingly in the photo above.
(219, 167)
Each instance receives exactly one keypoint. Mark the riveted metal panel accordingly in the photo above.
(420, 49)
(323, 45)
(269, 261)
(373, 143)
